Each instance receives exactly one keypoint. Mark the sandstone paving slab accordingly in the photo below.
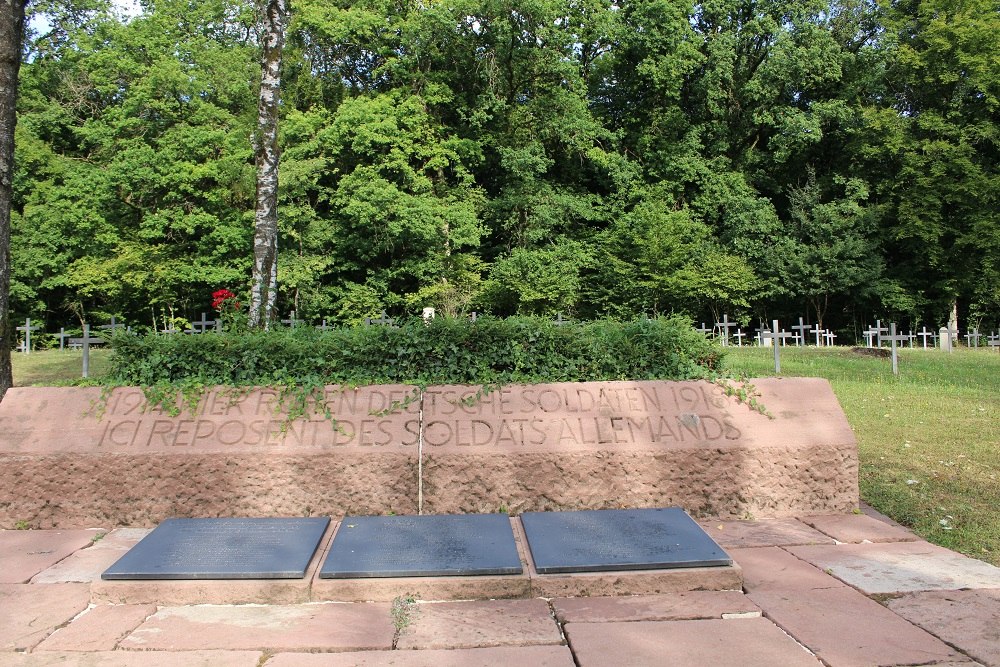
(772, 568)
(100, 628)
(134, 659)
(846, 629)
(25, 553)
(968, 620)
(857, 528)
(498, 656)
(763, 533)
(900, 567)
(479, 624)
(304, 627)
(679, 606)
(752, 642)
(29, 612)
(838, 623)
(87, 564)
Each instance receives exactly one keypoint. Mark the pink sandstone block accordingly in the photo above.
(636, 582)
(25, 553)
(86, 565)
(75, 464)
(203, 591)
(554, 446)
(29, 613)
(640, 444)
(762, 533)
(968, 620)
(679, 606)
(98, 629)
(752, 642)
(857, 528)
(499, 656)
(275, 628)
(135, 659)
(900, 567)
(421, 588)
(836, 622)
(486, 623)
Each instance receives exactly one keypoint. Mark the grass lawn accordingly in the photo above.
(53, 367)
(929, 440)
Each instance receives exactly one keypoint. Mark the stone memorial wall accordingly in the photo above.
(73, 457)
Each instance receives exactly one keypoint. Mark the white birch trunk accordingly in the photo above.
(264, 287)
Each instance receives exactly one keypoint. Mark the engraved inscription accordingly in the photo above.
(397, 418)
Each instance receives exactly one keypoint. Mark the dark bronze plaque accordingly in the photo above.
(603, 540)
(223, 549)
(422, 546)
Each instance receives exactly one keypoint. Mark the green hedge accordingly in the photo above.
(445, 351)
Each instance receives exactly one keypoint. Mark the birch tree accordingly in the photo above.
(264, 285)
(11, 32)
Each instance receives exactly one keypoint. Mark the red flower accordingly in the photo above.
(224, 299)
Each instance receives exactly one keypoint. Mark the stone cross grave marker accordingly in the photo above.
(828, 337)
(265, 548)
(422, 546)
(947, 337)
(560, 321)
(291, 321)
(993, 340)
(323, 326)
(869, 335)
(27, 329)
(384, 321)
(739, 336)
(776, 335)
(816, 331)
(893, 339)
(925, 334)
(703, 330)
(85, 342)
(114, 326)
(879, 330)
(725, 325)
(62, 336)
(607, 540)
(202, 325)
(803, 329)
(972, 338)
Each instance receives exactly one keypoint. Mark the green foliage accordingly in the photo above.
(444, 351)
(518, 157)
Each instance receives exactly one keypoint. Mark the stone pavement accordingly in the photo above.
(822, 590)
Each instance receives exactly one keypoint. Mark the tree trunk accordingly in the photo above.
(264, 287)
(11, 32)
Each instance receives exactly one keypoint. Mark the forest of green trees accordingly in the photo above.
(838, 159)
